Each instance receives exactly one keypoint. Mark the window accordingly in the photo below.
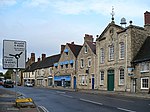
(144, 83)
(102, 78)
(89, 62)
(66, 65)
(71, 65)
(82, 63)
(85, 49)
(83, 79)
(102, 55)
(111, 53)
(121, 80)
(61, 66)
(122, 52)
(145, 67)
(66, 51)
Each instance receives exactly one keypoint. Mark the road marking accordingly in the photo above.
(149, 104)
(6, 103)
(127, 110)
(61, 92)
(89, 101)
(67, 96)
(121, 100)
(43, 108)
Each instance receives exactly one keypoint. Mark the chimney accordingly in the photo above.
(33, 57)
(147, 18)
(43, 56)
(72, 43)
(147, 22)
(38, 59)
(62, 48)
(88, 38)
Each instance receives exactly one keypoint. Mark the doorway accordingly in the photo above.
(110, 80)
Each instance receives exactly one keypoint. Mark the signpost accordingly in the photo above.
(14, 55)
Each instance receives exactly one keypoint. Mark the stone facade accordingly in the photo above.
(120, 47)
(86, 61)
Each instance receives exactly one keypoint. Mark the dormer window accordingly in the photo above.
(85, 49)
(66, 51)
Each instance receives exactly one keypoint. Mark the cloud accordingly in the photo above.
(7, 2)
(127, 8)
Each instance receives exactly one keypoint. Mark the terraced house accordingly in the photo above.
(116, 48)
(66, 74)
(86, 68)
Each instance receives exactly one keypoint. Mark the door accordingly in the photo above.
(93, 82)
(110, 80)
(74, 83)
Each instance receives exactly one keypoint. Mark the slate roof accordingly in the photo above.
(48, 61)
(31, 67)
(92, 45)
(75, 49)
(144, 52)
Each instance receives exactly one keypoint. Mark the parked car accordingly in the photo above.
(8, 83)
(29, 84)
(1, 82)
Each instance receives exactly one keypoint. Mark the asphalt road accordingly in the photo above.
(66, 101)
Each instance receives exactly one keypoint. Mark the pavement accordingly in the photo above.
(7, 98)
(8, 104)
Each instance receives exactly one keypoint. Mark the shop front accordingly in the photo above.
(64, 81)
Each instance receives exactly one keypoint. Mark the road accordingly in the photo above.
(66, 101)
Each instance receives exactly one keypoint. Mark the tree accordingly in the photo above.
(8, 74)
(1, 74)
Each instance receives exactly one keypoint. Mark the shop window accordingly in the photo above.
(144, 83)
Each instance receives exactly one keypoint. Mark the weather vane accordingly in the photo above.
(112, 13)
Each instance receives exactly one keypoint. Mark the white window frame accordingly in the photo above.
(122, 50)
(101, 77)
(111, 52)
(102, 56)
(82, 63)
(121, 73)
(147, 78)
(144, 67)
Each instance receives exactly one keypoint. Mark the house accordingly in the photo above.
(66, 67)
(116, 48)
(45, 71)
(86, 68)
(141, 62)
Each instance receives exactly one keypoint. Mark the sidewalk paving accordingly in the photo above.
(127, 94)
(7, 102)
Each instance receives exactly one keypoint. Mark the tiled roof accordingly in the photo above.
(144, 52)
(75, 48)
(92, 45)
(49, 61)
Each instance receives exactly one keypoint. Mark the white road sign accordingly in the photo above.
(14, 54)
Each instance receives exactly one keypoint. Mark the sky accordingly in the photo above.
(47, 24)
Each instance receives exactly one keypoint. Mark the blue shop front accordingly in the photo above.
(64, 81)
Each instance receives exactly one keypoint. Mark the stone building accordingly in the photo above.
(86, 61)
(66, 67)
(116, 48)
(141, 62)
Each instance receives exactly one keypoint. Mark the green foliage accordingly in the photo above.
(8, 74)
(1, 74)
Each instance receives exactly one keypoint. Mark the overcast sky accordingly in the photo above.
(46, 24)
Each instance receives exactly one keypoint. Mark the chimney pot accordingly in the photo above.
(43, 56)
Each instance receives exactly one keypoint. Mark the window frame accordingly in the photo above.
(82, 63)
(101, 77)
(144, 67)
(102, 56)
(121, 50)
(111, 52)
(121, 76)
(142, 83)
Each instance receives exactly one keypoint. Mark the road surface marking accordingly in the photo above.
(67, 96)
(61, 92)
(121, 100)
(7, 103)
(149, 104)
(89, 101)
(43, 108)
(127, 110)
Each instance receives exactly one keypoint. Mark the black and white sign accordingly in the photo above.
(14, 54)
